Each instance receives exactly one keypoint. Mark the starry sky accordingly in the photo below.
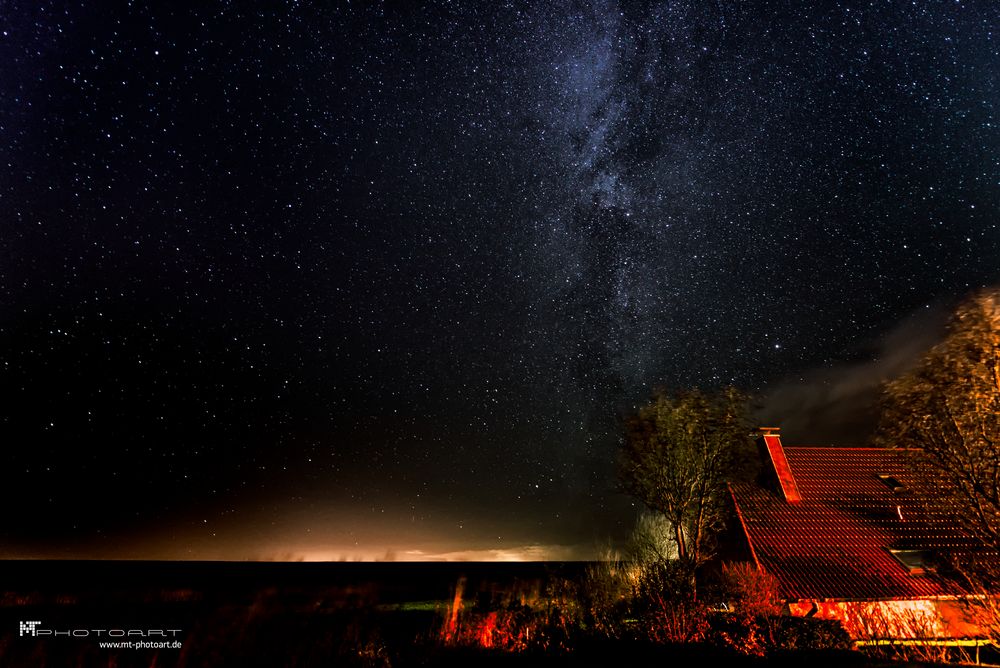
(356, 279)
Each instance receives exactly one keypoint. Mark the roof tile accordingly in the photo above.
(835, 542)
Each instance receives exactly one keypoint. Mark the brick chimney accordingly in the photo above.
(776, 474)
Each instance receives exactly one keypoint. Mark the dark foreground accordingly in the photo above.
(219, 614)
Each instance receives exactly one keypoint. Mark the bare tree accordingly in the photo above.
(652, 539)
(678, 451)
(948, 406)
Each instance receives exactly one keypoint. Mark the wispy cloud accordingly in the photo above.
(838, 405)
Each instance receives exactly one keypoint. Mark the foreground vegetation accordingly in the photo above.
(593, 616)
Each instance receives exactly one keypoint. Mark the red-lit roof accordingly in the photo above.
(835, 542)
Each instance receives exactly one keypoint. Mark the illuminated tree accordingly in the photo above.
(677, 454)
(949, 407)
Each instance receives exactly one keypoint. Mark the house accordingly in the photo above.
(848, 535)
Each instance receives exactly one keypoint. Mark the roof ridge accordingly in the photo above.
(827, 448)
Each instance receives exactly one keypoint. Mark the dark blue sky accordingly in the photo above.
(338, 278)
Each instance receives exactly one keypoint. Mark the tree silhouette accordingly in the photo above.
(948, 406)
(678, 452)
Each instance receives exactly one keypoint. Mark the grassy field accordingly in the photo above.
(188, 614)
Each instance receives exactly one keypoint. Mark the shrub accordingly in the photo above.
(748, 590)
(803, 633)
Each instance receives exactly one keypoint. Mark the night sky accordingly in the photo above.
(354, 280)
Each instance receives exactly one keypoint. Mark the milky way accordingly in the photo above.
(344, 278)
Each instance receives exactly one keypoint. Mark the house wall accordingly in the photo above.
(915, 619)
